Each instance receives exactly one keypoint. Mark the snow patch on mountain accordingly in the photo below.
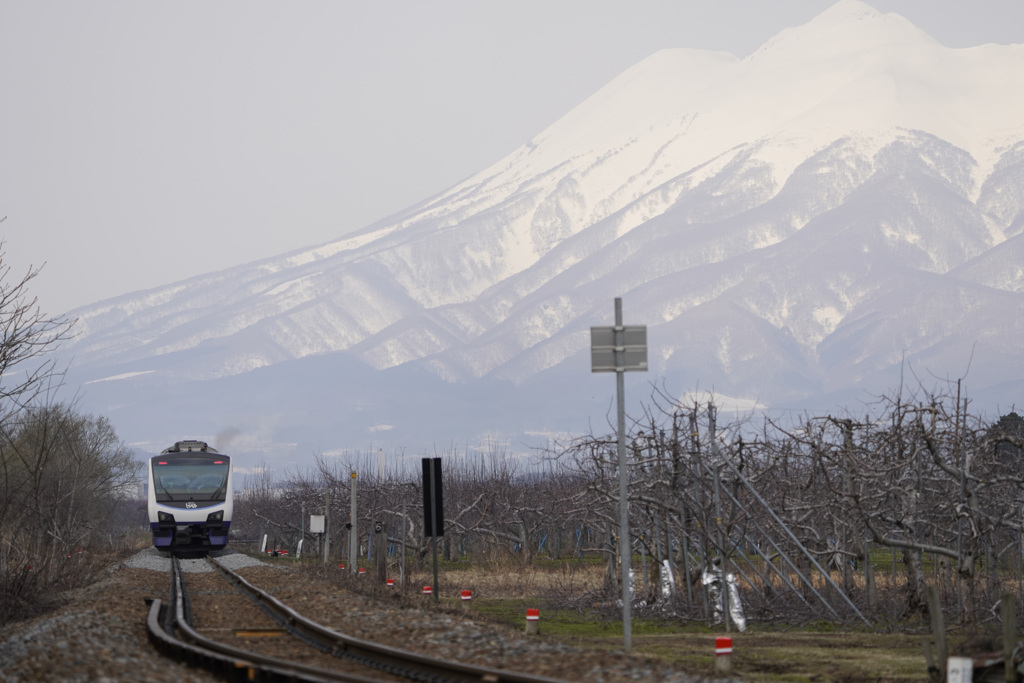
(799, 223)
(123, 375)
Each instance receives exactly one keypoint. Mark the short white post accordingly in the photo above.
(532, 622)
(723, 655)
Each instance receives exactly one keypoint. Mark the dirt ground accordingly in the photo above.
(787, 656)
(764, 653)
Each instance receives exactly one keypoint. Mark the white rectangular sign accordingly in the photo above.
(959, 670)
(633, 352)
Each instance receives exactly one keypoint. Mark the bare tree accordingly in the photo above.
(27, 335)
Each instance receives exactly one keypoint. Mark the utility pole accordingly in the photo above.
(405, 528)
(618, 349)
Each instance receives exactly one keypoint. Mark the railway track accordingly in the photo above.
(292, 647)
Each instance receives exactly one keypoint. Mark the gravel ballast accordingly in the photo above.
(100, 635)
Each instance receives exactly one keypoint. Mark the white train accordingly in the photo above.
(190, 498)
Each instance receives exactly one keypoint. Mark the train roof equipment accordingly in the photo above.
(189, 446)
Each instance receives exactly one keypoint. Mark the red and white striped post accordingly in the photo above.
(723, 655)
(467, 598)
(532, 622)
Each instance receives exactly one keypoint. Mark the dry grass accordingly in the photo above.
(512, 582)
(578, 609)
(794, 656)
(765, 653)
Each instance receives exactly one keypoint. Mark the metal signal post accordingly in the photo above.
(620, 349)
(353, 534)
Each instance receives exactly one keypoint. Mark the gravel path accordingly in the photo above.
(101, 634)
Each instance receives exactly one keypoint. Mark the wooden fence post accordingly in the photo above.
(938, 633)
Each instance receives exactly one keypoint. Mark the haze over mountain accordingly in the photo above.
(797, 229)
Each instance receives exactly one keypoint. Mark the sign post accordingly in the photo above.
(327, 526)
(433, 509)
(380, 551)
(353, 534)
(619, 349)
(317, 526)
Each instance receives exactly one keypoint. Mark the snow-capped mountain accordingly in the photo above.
(796, 228)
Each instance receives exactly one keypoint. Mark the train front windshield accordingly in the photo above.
(190, 478)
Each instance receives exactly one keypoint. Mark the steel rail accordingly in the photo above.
(182, 642)
(241, 668)
(170, 631)
(392, 660)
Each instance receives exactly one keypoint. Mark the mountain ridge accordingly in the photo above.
(791, 255)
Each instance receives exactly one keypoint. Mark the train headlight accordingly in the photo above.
(165, 517)
(217, 516)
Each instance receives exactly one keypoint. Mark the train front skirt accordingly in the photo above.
(202, 536)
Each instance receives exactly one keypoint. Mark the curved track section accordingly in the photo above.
(170, 629)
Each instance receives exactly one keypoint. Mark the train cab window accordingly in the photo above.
(207, 483)
(172, 482)
(192, 478)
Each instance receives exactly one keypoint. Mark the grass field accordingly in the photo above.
(818, 651)
(576, 610)
(763, 653)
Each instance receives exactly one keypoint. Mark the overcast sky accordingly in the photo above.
(145, 142)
